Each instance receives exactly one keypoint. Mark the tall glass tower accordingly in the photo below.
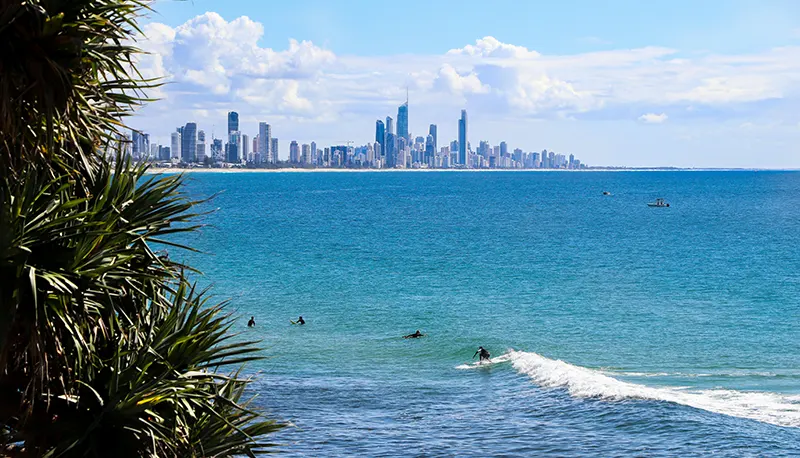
(402, 121)
(462, 138)
(233, 122)
(380, 134)
(189, 143)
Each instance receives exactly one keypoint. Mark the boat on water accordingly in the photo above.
(658, 203)
(606, 193)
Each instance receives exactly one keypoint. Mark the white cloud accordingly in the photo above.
(449, 79)
(215, 65)
(492, 47)
(652, 118)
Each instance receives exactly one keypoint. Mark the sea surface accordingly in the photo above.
(615, 329)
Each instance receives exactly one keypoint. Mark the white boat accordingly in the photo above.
(658, 203)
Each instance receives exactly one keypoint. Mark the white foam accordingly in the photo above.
(479, 364)
(773, 408)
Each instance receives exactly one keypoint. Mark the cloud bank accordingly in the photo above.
(215, 65)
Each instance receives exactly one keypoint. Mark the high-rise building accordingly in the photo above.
(233, 122)
(294, 152)
(246, 148)
(217, 150)
(389, 125)
(255, 148)
(571, 160)
(430, 150)
(432, 131)
(154, 150)
(314, 152)
(503, 149)
(305, 154)
(234, 151)
(402, 121)
(462, 138)
(189, 143)
(175, 140)
(140, 144)
(273, 150)
(163, 153)
(265, 142)
(200, 148)
(380, 135)
(391, 150)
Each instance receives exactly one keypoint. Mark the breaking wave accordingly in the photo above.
(774, 408)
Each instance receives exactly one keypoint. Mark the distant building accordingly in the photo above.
(462, 138)
(402, 121)
(200, 149)
(294, 152)
(380, 135)
(189, 143)
(305, 154)
(246, 148)
(265, 142)
(234, 149)
(175, 138)
(273, 150)
(391, 150)
(233, 122)
(389, 125)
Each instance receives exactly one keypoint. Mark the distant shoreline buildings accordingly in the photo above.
(389, 150)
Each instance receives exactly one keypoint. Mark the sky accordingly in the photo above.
(629, 83)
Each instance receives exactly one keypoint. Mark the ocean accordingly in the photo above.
(615, 329)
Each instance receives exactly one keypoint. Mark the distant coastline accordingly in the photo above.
(157, 170)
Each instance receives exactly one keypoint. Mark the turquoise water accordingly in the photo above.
(616, 329)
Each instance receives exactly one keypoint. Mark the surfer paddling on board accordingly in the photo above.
(485, 356)
(252, 322)
(414, 336)
(299, 321)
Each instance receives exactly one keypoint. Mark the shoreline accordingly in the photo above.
(158, 170)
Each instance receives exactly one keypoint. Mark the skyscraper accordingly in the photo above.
(189, 143)
(391, 149)
(294, 152)
(380, 135)
(273, 150)
(201, 146)
(234, 152)
(314, 152)
(245, 147)
(402, 121)
(389, 125)
(462, 138)
(432, 132)
(175, 145)
(233, 122)
(305, 156)
(503, 149)
(265, 142)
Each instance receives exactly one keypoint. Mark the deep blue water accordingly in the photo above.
(617, 329)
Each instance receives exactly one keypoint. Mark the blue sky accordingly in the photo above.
(703, 83)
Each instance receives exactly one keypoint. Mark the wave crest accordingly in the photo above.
(773, 408)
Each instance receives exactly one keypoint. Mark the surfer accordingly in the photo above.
(485, 356)
(299, 321)
(414, 336)
(252, 322)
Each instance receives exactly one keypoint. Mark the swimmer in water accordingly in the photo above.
(414, 336)
(485, 356)
(300, 320)
(252, 322)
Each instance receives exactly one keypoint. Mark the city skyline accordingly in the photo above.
(188, 148)
(622, 91)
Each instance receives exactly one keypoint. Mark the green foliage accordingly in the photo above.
(105, 348)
